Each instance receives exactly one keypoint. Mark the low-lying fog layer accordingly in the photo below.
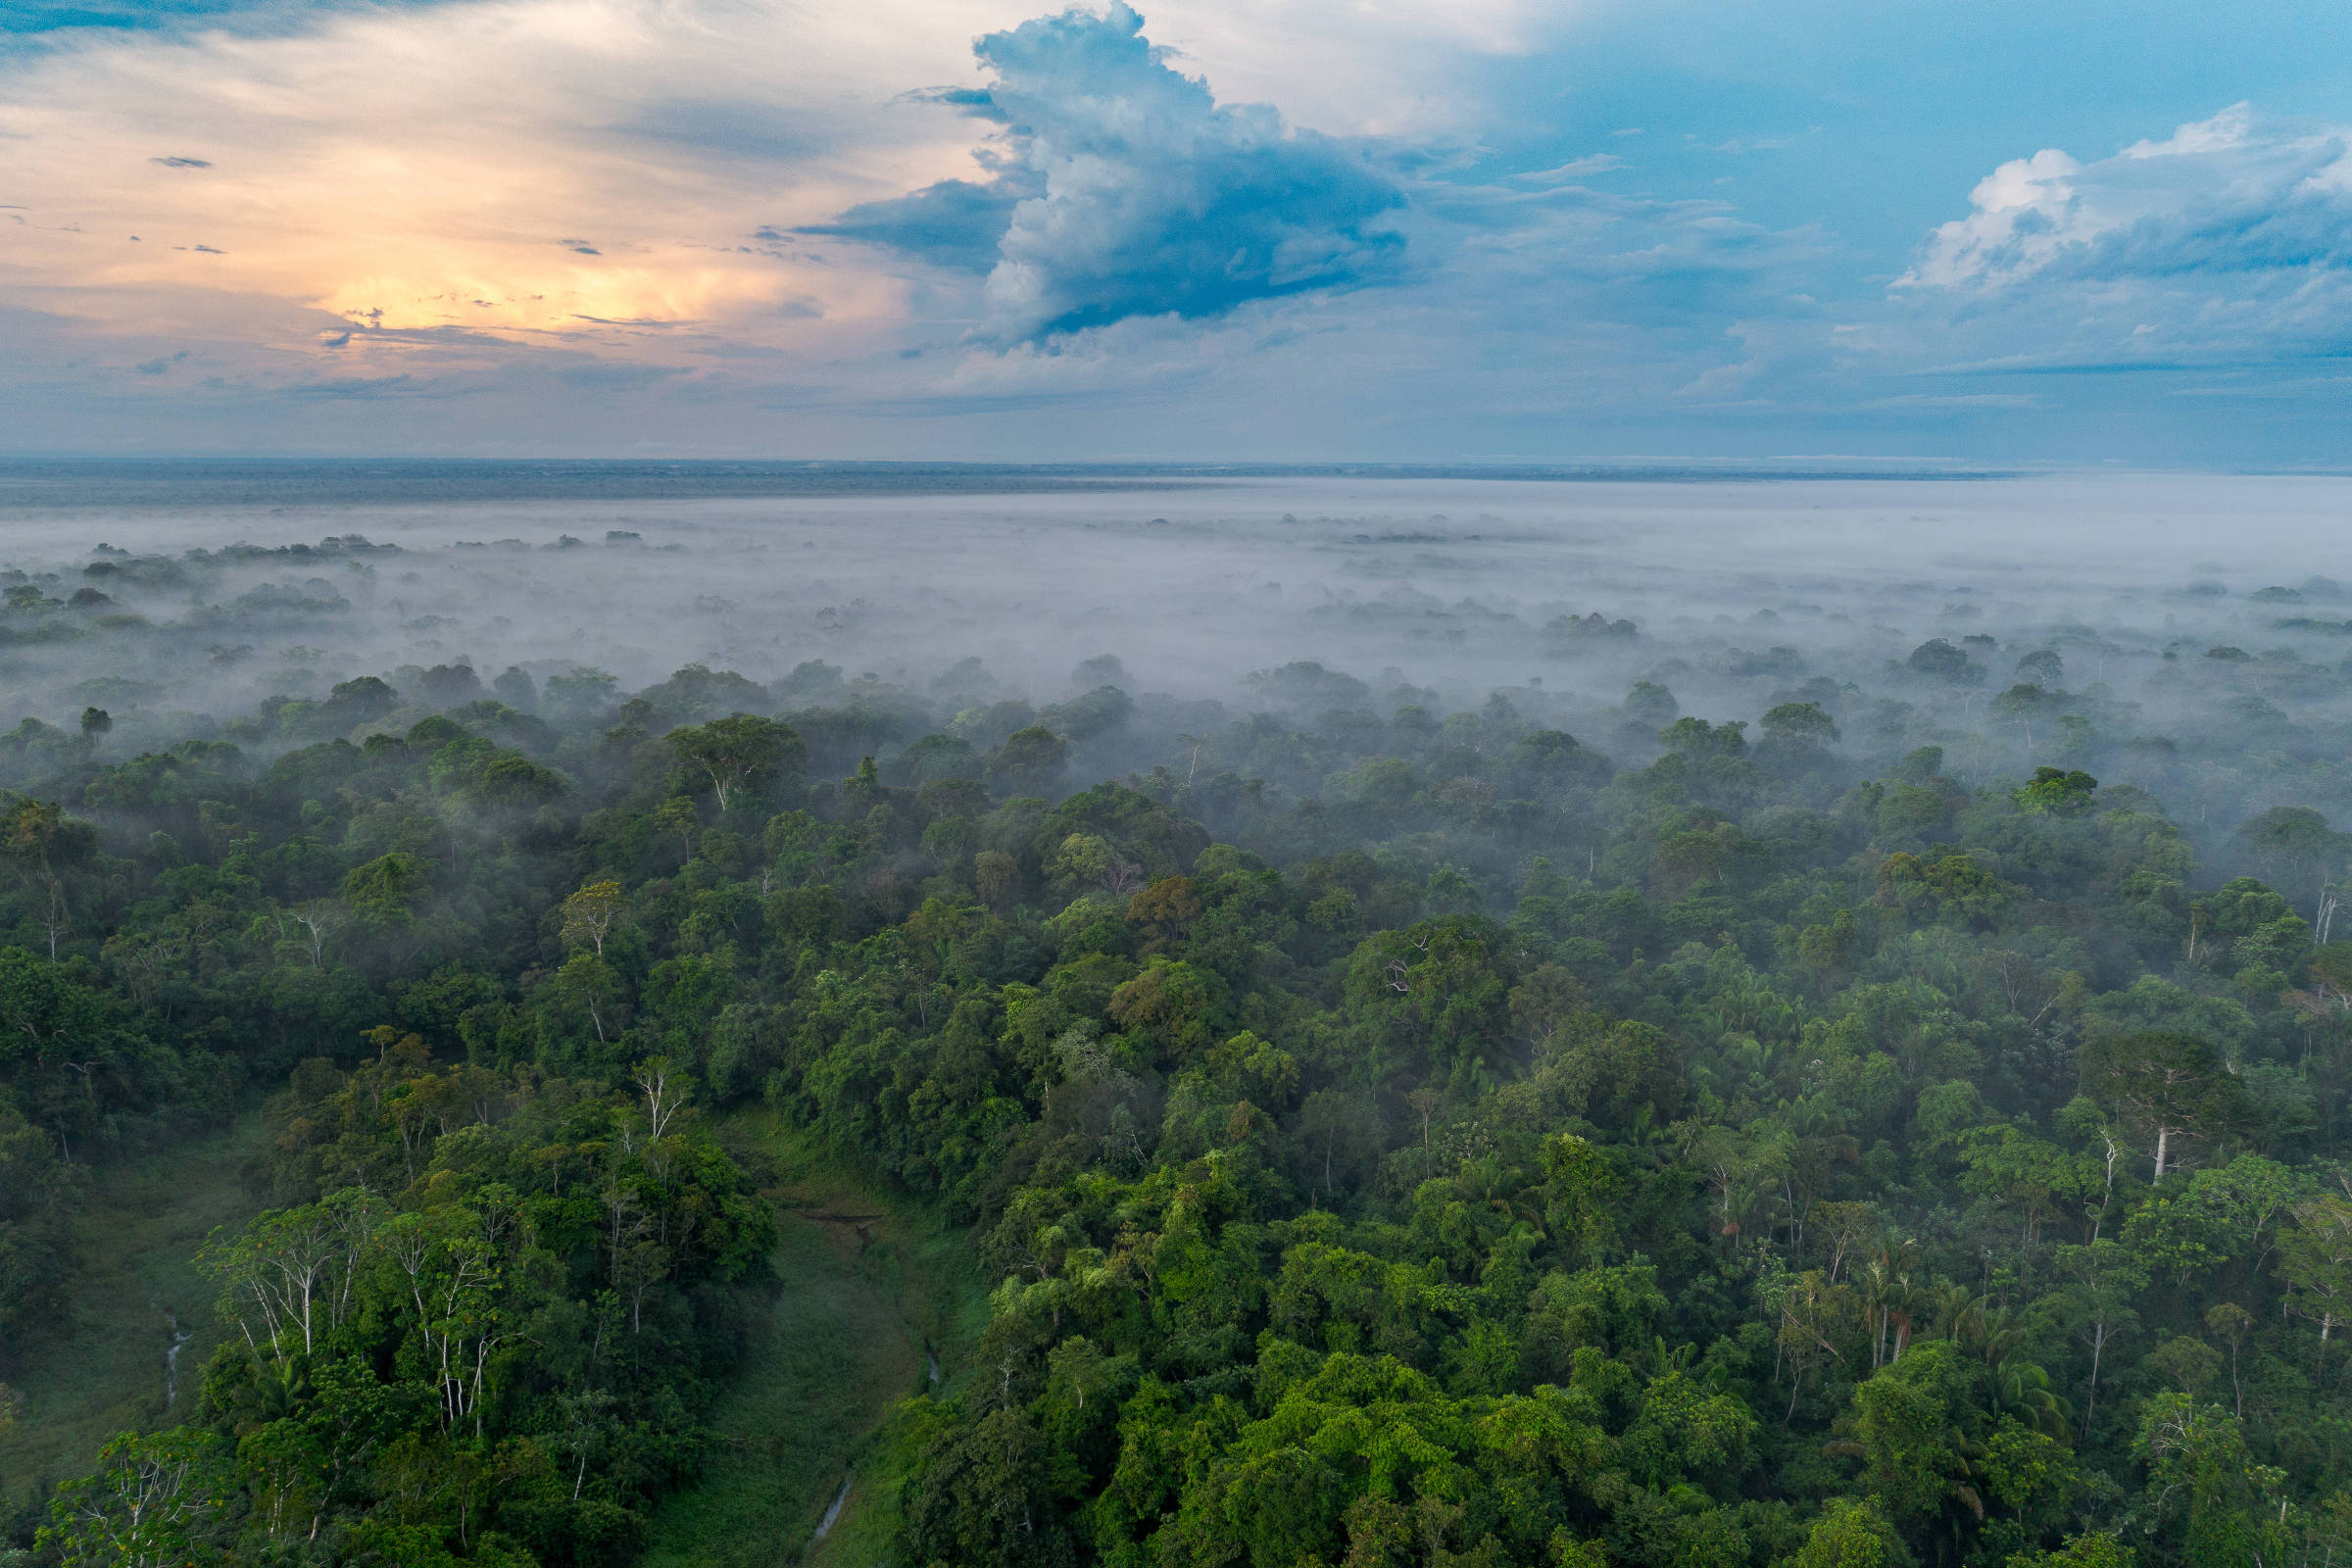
(2118, 625)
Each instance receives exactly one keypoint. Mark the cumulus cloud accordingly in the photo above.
(2231, 237)
(1121, 188)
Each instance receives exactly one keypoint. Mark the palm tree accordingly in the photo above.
(2022, 1389)
(1889, 1298)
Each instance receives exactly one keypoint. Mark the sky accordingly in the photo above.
(2055, 233)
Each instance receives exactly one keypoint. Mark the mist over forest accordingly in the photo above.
(566, 1019)
(2181, 635)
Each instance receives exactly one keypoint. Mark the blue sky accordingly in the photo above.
(1295, 229)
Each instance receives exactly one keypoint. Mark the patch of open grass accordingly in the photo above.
(104, 1370)
(871, 1285)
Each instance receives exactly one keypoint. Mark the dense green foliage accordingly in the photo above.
(1492, 1154)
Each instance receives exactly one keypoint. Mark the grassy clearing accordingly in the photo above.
(868, 1282)
(106, 1372)
(871, 1285)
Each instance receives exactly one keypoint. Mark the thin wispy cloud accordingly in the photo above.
(1574, 168)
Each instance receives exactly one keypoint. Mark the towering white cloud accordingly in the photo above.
(1121, 188)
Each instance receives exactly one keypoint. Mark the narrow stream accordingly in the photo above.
(824, 1526)
(179, 1337)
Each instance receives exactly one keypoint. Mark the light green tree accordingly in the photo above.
(159, 1500)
